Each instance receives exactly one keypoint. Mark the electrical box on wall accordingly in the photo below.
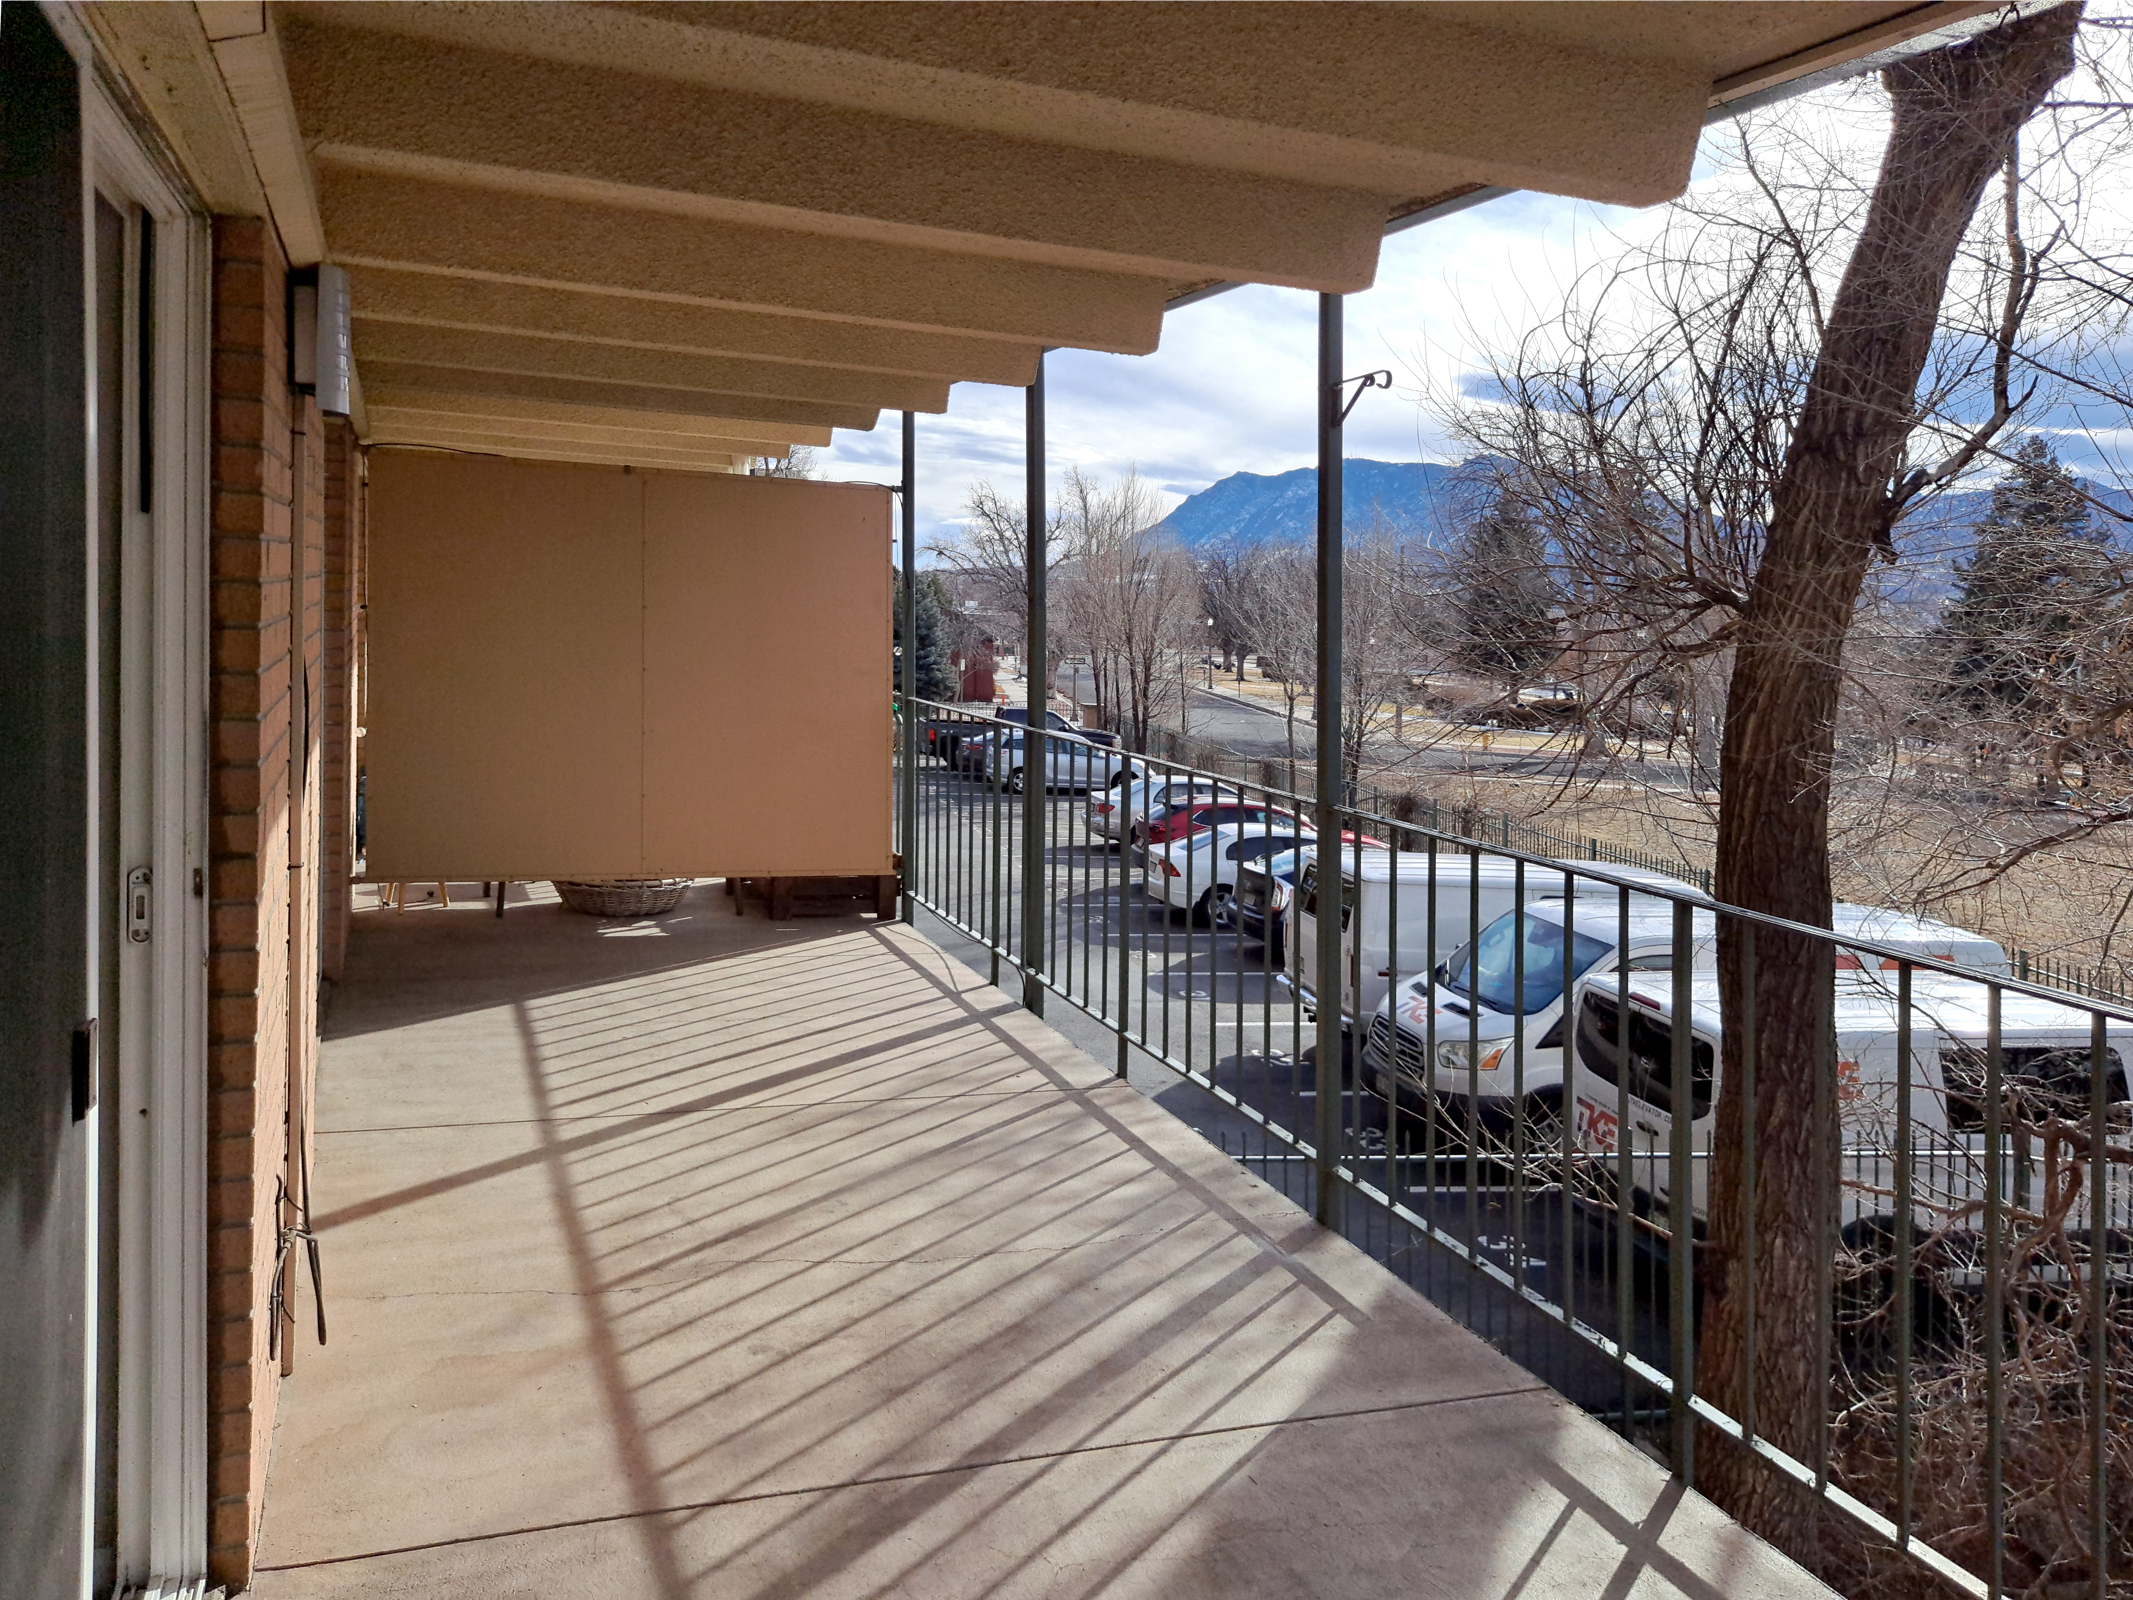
(320, 353)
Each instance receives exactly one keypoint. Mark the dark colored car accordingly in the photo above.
(1058, 724)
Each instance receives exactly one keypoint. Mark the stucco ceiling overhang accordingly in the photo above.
(600, 229)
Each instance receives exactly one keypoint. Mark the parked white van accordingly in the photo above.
(2044, 1049)
(1472, 892)
(1475, 995)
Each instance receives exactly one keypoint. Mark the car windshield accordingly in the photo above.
(1486, 969)
(1254, 845)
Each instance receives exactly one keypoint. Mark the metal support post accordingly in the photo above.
(1035, 902)
(907, 823)
(1681, 1205)
(1331, 784)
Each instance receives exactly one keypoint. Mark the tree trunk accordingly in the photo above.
(1957, 114)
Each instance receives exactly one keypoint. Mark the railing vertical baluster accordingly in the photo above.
(907, 785)
(999, 870)
(1751, 1134)
(1906, 1245)
(1473, 1056)
(1429, 1036)
(1681, 1200)
(1625, 1167)
(1124, 933)
(1191, 856)
(1565, 1251)
(1236, 915)
(1995, 1507)
(1828, 1158)
(1523, 925)
(1148, 869)
(1364, 1017)
(2099, 1309)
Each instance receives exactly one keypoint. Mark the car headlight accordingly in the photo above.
(1451, 1055)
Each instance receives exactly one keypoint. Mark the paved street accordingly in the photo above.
(1250, 727)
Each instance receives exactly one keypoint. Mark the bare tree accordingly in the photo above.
(989, 554)
(1377, 591)
(1280, 616)
(798, 462)
(1127, 595)
(1229, 573)
(1845, 480)
(1722, 434)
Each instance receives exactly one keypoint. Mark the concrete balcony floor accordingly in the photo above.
(710, 1258)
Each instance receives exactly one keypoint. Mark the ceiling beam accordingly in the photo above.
(614, 363)
(408, 222)
(386, 104)
(408, 422)
(533, 410)
(578, 391)
(431, 299)
(248, 54)
(593, 455)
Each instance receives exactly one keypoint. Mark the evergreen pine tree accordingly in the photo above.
(1504, 596)
(936, 674)
(2012, 629)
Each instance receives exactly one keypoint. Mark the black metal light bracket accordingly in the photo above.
(1369, 380)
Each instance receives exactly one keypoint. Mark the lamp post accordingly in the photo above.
(1207, 656)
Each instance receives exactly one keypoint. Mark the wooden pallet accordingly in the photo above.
(782, 898)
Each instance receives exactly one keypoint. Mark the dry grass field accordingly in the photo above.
(2071, 904)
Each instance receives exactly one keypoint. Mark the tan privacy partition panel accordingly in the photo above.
(590, 672)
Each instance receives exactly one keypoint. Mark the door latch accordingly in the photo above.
(139, 903)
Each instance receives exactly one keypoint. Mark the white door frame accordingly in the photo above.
(161, 1468)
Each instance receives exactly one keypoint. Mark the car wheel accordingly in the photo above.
(1203, 914)
(1014, 781)
(1544, 1122)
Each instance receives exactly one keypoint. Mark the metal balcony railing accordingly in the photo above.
(1519, 1028)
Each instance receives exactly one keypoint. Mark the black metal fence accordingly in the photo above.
(1522, 1027)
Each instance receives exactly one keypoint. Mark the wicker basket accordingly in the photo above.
(624, 897)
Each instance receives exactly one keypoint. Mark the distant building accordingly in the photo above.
(974, 668)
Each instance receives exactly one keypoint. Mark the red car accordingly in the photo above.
(1200, 814)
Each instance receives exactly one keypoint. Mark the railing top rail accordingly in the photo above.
(2122, 1009)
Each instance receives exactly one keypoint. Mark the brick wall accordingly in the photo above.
(269, 505)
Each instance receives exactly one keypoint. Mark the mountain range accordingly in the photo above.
(1431, 498)
(1282, 508)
